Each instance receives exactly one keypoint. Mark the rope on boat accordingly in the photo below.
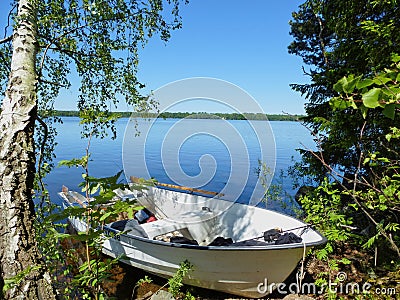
(278, 230)
(301, 273)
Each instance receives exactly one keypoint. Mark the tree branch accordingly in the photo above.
(360, 158)
(321, 28)
(41, 153)
(305, 72)
(6, 39)
(369, 216)
(335, 175)
(52, 83)
(8, 19)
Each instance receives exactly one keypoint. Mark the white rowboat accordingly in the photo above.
(240, 267)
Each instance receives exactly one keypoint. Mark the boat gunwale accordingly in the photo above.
(323, 240)
(218, 248)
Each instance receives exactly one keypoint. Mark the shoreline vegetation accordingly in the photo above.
(189, 115)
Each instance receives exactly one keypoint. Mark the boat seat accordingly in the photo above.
(160, 227)
(203, 225)
(195, 221)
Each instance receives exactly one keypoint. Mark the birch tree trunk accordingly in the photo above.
(18, 247)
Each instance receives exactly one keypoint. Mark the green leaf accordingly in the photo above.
(353, 103)
(389, 110)
(75, 162)
(366, 160)
(105, 216)
(381, 80)
(383, 159)
(398, 77)
(364, 83)
(345, 261)
(395, 58)
(338, 103)
(340, 85)
(391, 92)
(371, 98)
(364, 111)
(351, 83)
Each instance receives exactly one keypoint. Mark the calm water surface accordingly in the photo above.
(106, 154)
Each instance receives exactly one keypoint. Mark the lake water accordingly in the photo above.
(197, 153)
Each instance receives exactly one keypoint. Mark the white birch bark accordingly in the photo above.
(18, 248)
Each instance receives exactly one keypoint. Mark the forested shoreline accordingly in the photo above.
(191, 115)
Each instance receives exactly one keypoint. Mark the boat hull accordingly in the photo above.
(240, 271)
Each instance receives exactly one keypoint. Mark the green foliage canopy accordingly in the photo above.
(354, 101)
(337, 38)
(97, 39)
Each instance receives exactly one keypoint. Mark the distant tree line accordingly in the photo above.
(191, 115)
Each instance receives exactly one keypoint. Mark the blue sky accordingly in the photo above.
(243, 42)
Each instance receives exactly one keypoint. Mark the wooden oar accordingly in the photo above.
(178, 187)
